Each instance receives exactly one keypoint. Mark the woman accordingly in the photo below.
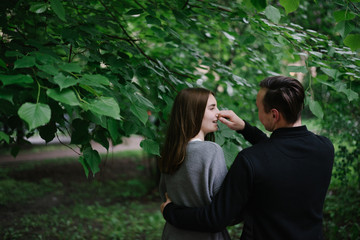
(192, 168)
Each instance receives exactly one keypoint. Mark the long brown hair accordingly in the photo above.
(185, 123)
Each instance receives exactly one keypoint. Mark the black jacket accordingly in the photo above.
(277, 186)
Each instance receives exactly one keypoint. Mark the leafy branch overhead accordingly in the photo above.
(101, 70)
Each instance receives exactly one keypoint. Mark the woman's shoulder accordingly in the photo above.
(204, 146)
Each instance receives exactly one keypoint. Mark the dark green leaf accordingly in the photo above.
(259, 4)
(92, 159)
(39, 7)
(25, 62)
(135, 12)
(80, 133)
(85, 165)
(152, 20)
(4, 137)
(48, 131)
(3, 64)
(150, 146)
(58, 8)
(15, 79)
(71, 67)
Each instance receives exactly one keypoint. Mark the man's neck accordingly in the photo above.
(284, 124)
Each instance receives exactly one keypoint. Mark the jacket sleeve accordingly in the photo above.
(227, 206)
(252, 134)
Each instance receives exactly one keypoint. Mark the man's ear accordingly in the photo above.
(275, 114)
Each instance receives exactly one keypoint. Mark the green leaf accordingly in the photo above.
(85, 165)
(136, 97)
(135, 12)
(290, 5)
(352, 41)
(101, 137)
(331, 72)
(2, 64)
(343, 15)
(106, 106)
(35, 115)
(273, 14)
(150, 146)
(230, 152)
(64, 81)
(301, 69)
(48, 68)
(316, 108)
(80, 133)
(139, 112)
(351, 95)
(7, 95)
(259, 4)
(16, 79)
(38, 7)
(344, 28)
(98, 79)
(58, 8)
(113, 127)
(25, 62)
(48, 131)
(92, 159)
(152, 20)
(71, 67)
(66, 96)
(5, 137)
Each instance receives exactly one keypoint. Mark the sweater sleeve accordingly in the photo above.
(227, 205)
(162, 187)
(217, 170)
(252, 134)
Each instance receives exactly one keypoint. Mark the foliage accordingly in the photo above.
(99, 70)
(341, 212)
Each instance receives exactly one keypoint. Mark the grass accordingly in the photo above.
(52, 199)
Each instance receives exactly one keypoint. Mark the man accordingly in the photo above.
(278, 185)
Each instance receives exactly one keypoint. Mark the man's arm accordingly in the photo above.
(227, 205)
(250, 133)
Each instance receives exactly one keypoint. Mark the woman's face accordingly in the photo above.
(209, 122)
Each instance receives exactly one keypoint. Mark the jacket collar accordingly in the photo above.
(290, 132)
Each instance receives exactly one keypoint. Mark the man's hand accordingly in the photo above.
(163, 205)
(230, 119)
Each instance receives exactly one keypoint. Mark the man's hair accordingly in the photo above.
(185, 123)
(285, 94)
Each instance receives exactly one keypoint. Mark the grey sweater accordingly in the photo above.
(195, 183)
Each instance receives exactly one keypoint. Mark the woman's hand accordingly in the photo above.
(163, 205)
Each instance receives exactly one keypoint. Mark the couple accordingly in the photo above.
(276, 187)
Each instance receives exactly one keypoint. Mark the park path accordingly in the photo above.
(131, 143)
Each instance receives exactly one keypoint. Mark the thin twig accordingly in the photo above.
(66, 144)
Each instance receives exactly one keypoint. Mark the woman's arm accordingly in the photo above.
(227, 205)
